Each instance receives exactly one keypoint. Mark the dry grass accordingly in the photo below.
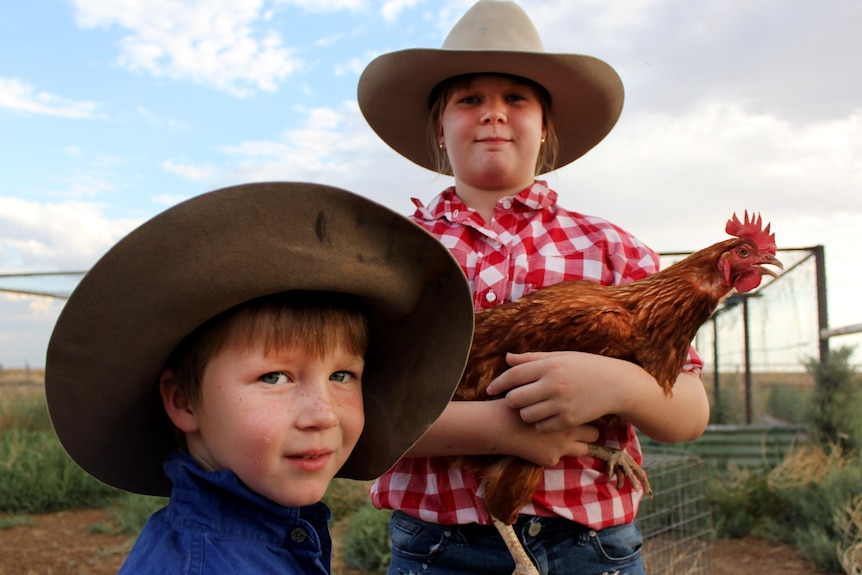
(10, 378)
(849, 523)
(809, 463)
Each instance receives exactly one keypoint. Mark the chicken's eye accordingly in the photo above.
(743, 251)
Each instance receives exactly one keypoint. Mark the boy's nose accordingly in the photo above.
(319, 409)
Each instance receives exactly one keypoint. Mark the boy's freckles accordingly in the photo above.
(285, 427)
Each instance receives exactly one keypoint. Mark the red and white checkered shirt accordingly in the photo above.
(531, 243)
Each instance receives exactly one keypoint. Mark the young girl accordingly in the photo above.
(494, 110)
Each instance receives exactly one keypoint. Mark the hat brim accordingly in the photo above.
(229, 246)
(393, 92)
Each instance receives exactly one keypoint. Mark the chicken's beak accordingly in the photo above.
(769, 260)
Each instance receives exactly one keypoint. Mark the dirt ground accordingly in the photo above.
(66, 543)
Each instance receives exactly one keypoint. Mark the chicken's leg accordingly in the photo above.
(620, 460)
(523, 563)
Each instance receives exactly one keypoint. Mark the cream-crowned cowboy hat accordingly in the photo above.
(220, 249)
(492, 37)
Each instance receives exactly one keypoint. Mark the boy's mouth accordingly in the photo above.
(311, 460)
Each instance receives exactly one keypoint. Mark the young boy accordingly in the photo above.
(240, 350)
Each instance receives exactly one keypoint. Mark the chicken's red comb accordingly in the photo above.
(752, 229)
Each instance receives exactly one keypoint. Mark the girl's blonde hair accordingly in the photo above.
(440, 96)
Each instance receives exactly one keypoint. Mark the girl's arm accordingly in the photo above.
(560, 389)
(492, 427)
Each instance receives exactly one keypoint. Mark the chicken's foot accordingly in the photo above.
(523, 563)
(620, 460)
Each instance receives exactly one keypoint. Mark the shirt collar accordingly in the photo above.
(221, 501)
(448, 205)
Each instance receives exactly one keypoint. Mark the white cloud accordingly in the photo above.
(353, 66)
(26, 328)
(52, 236)
(217, 43)
(23, 97)
(154, 120)
(716, 160)
(168, 200)
(190, 171)
(326, 5)
(392, 8)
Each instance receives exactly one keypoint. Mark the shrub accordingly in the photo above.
(24, 411)
(366, 542)
(129, 512)
(849, 523)
(345, 497)
(36, 475)
(788, 403)
(835, 411)
(740, 501)
(800, 502)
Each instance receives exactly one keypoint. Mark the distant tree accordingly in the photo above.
(835, 411)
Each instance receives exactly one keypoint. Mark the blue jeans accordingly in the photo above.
(557, 546)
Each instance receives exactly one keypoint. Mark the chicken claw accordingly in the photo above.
(620, 460)
(523, 563)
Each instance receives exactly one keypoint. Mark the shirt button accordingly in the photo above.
(298, 535)
(490, 297)
(507, 204)
(455, 213)
(534, 529)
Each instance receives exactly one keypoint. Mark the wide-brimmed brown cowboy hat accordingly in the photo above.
(492, 37)
(217, 250)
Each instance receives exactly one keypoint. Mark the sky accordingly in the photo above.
(111, 111)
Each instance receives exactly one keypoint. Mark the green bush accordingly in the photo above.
(817, 544)
(129, 512)
(741, 501)
(37, 476)
(835, 412)
(788, 403)
(796, 503)
(24, 411)
(345, 497)
(366, 542)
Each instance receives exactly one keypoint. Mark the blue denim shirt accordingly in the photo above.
(215, 525)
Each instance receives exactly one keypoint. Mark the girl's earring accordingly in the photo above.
(543, 140)
(442, 146)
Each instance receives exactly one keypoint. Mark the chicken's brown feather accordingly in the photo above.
(650, 322)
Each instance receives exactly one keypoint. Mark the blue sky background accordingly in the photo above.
(113, 110)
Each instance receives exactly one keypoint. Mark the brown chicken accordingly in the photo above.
(650, 322)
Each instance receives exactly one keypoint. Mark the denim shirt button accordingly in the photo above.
(298, 535)
(534, 529)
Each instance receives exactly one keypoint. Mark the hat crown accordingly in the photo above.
(494, 25)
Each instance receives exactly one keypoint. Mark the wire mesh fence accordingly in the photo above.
(676, 523)
(761, 340)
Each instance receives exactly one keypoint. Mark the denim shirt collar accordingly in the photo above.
(217, 501)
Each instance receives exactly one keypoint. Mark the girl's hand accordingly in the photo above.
(547, 448)
(560, 390)
(563, 389)
(494, 428)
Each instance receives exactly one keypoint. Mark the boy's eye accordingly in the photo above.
(274, 377)
(341, 376)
